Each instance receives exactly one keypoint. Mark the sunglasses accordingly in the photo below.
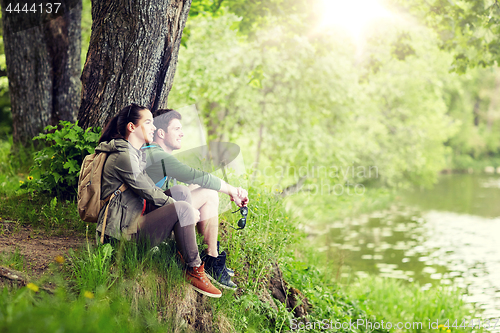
(243, 221)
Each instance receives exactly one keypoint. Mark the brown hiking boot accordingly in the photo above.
(200, 282)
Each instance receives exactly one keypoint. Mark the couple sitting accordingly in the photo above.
(162, 167)
(144, 211)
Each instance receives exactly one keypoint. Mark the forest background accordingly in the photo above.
(392, 100)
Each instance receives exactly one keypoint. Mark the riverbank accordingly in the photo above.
(353, 248)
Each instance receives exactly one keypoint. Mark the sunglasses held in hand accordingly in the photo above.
(243, 221)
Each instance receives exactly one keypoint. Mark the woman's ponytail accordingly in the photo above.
(109, 131)
(117, 126)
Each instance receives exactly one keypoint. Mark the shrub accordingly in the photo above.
(57, 165)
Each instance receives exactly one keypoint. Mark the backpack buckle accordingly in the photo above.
(117, 192)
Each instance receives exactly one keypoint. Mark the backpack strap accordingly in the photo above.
(162, 182)
(122, 188)
(165, 178)
(163, 166)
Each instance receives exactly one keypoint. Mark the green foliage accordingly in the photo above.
(469, 29)
(267, 237)
(473, 105)
(402, 48)
(39, 209)
(86, 29)
(57, 165)
(308, 107)
(5, 117)
(11, 167)
(258, 16)
(15, 159)
(272, 236)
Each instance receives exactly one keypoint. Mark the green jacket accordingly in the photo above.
(176, 169)
(125, 164)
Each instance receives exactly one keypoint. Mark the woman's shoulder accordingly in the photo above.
(112, 146)
(116, 146)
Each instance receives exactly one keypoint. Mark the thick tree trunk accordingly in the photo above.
(42, 52)
(132, 56)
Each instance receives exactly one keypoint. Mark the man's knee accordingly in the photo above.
(210, 198)
(181, 193)
(206, 196)
(213, 196)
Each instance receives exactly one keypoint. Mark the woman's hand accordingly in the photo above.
(196, 215)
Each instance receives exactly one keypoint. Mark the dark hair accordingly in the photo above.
(163, 117)
(117, 126)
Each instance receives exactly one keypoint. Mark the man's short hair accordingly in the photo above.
(162, 118)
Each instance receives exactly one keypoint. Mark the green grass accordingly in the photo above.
(329, 299)
(398, 301)
(13, 260)
(24, 310)
(14, 158)
(42, 212)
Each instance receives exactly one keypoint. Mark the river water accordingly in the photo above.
(448, 235)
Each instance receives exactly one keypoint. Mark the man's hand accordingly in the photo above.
(239, 196)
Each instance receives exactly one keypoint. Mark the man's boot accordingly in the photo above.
(215, 269)
(229, 271)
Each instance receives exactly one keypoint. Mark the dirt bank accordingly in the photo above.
(39, 248)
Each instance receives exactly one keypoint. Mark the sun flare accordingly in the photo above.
(352, 16)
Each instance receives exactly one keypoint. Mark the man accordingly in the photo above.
(162, 167)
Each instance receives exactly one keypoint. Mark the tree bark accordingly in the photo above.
(42, 53)
(132, 56)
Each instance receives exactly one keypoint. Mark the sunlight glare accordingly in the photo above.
(352, 16)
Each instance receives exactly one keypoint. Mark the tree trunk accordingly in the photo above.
(42, 53)
(132, 56)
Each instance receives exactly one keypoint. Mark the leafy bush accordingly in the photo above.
(57, 165)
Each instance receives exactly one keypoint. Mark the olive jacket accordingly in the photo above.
(125, 164)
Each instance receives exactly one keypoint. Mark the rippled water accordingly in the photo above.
(448, 235)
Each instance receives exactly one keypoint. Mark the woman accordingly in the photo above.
(143, 211)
